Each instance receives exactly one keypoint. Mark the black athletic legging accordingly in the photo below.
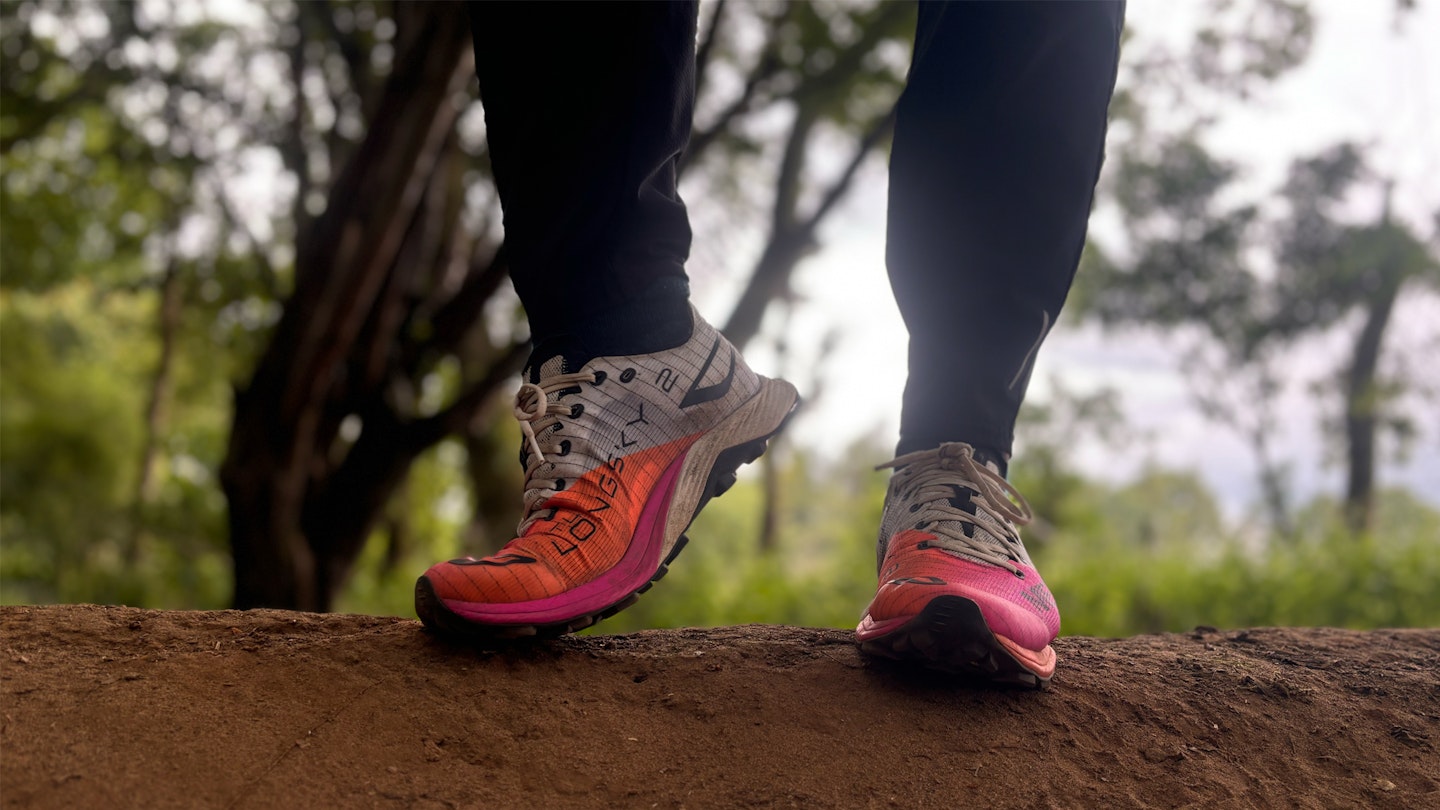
(998, 144)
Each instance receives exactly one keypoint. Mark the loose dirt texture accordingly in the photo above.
(118, 707)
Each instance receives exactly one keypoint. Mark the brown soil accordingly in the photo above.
(118, 707)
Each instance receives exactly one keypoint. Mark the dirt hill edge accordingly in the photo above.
(121, 707)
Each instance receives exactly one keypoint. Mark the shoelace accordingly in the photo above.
(998, 498)
(537, 414)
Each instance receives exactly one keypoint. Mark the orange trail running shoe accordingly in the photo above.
(957, 590)
(619, 456)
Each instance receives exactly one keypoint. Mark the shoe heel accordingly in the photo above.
(738, 440)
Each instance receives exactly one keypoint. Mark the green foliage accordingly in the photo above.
(1113, 587)
(1153, 555)
(78, 205)
(426, 520)
(820, 574)
(85, 185)
(72, 376)
(1116, 576)
(110, 135)
(59, 386)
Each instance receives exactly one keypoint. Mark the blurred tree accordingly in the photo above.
(1252, 279)
(1255, 284)
(292, 193)
(332, 417)
(1330, 267)
(391, 284)
(109, 149)
(831, 70)
(1165, 508)
(1045, 466)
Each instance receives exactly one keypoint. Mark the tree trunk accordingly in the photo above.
(792, 236)
(1274, 482)
(171, 299)
(287, 418)
(1361, 407)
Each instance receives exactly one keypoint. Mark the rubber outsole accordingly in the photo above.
(723, 474)
(950, 635)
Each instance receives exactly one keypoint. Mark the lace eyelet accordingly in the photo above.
(599, 378)
(923, 544)
(559, 484)
(576, 410)
(1018, 573)
(914, 507)
(564, 448)
(627, 375)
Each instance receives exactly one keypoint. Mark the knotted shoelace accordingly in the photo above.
(537, 415)
(934, 475)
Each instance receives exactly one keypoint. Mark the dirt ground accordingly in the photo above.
(119, 707)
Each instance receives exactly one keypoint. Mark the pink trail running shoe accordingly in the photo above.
(957, 591)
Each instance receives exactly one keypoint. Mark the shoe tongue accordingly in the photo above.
(555, 356)
(553, 366)
(993, 460)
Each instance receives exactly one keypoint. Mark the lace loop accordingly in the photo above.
(530, 404)
(538, 414)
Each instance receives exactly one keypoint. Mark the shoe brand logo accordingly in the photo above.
(499, 560)
(580, 530)
(917, 581)
(698, 394)
(1039, 597)
(964, 500)
(625, 440)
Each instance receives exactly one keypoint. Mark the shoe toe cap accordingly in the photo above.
(492, 580)
(1018, 608)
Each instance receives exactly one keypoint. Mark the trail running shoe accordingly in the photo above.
(957, 590)
(619, 455)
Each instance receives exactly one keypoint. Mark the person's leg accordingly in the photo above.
(998, 144)
(634, 412)
(587, 108)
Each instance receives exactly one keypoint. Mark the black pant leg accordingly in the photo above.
(998, 143)
(587, 108)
